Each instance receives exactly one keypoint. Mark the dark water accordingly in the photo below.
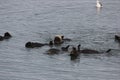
(40, 20)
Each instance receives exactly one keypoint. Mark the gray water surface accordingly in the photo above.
(40, 21)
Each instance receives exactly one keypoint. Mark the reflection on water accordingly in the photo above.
(99, 10)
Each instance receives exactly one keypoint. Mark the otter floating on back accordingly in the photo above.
(59, 39)
(36, 44)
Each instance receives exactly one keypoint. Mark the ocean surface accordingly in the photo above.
(41, 20)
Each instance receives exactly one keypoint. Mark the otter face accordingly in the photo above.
(58, 39)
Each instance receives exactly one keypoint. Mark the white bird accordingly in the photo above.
(98, 4)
